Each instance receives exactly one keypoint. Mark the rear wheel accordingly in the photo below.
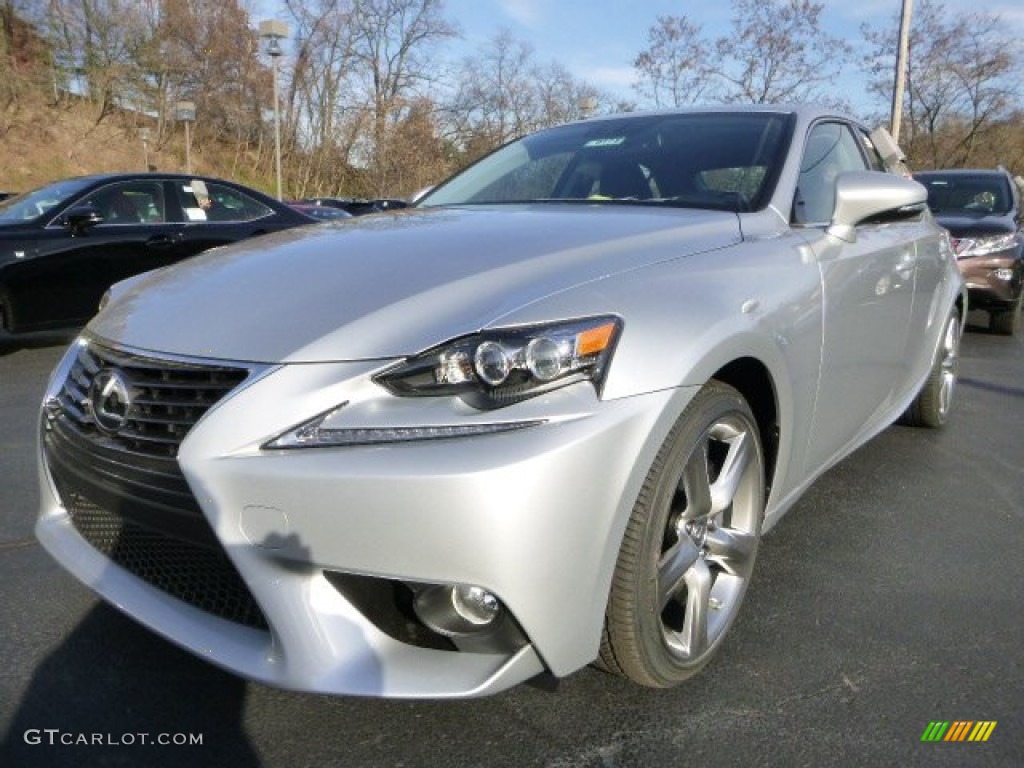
(931, 406)
(689, 547)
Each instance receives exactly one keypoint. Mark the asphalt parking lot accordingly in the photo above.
(889, 597)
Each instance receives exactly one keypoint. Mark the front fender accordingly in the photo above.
(687, 319)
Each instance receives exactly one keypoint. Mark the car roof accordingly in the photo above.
(962, 172)
(806, 112)
(121, 176)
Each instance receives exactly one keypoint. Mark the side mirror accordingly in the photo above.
(863, 195)
(82, 217)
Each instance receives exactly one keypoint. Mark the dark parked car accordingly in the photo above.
(5, 195)
(982, 211)
(321, 212)
(357, 207)
(63, 245)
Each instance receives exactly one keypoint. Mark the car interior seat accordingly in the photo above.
(122, 210)
(624, 178)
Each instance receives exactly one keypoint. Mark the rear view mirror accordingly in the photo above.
(82, 217)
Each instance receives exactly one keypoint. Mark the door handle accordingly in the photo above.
(159, 241)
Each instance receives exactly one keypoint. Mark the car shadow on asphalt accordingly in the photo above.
(10, 343)
(989, 387)
(101, 699)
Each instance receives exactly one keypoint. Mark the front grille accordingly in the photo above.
(123, 489)
(167, 398)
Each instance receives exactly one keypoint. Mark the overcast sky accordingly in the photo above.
(597, 40)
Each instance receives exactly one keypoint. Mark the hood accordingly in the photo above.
(980, 225)
(391, 285)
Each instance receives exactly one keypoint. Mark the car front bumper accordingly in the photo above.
(993, 281)
(535, 516)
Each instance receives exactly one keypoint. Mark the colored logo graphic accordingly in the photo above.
(959, 730)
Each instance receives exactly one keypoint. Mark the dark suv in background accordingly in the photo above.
(982, 211)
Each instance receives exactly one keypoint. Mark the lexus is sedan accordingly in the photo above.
(539, 420)
(64, 244)
(983, 213)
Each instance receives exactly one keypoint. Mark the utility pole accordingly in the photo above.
(275, 31)
(901, 69)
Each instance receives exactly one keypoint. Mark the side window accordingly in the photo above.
(130, 202)
(874, 157)
(207, 201)
(830, 150)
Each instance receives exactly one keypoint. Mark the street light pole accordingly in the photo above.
(144, 135)
(186, 113)
(901, 69)
(277, 120)
(188, 151)
(274, 32)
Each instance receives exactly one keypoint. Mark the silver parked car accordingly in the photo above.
(540, 419)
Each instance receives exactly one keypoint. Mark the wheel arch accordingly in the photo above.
(752, 379)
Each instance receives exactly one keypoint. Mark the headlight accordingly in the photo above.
(500, 367)
(983, 246)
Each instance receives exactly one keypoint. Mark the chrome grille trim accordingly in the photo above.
(169, 397)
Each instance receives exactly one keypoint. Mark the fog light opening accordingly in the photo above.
(458, 610)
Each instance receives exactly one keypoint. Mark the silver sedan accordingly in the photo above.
(539, 420)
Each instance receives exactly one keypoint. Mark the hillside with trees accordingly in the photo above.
(370, 108)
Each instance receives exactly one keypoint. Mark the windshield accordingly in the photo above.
(726, 161)
(32, 205)
(968, 194)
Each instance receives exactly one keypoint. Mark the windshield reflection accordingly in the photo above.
(695, 160)
(38, 202)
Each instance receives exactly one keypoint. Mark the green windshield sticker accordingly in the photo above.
(614, 142)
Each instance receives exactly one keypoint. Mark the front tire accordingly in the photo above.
(690, 544)
(6, 311)
(1005, 322)
(931, 406)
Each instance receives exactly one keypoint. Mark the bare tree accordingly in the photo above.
(417, 155)
(673, 70)
(21, 52)
(563, 97)
(495, 98)
(962, 81)
(357, 88)
(393, 43)
(322, 72)
(502, 93)
(778, 52)
(208, 53)
(97, 44)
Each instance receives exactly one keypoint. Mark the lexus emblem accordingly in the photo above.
(110, 399)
